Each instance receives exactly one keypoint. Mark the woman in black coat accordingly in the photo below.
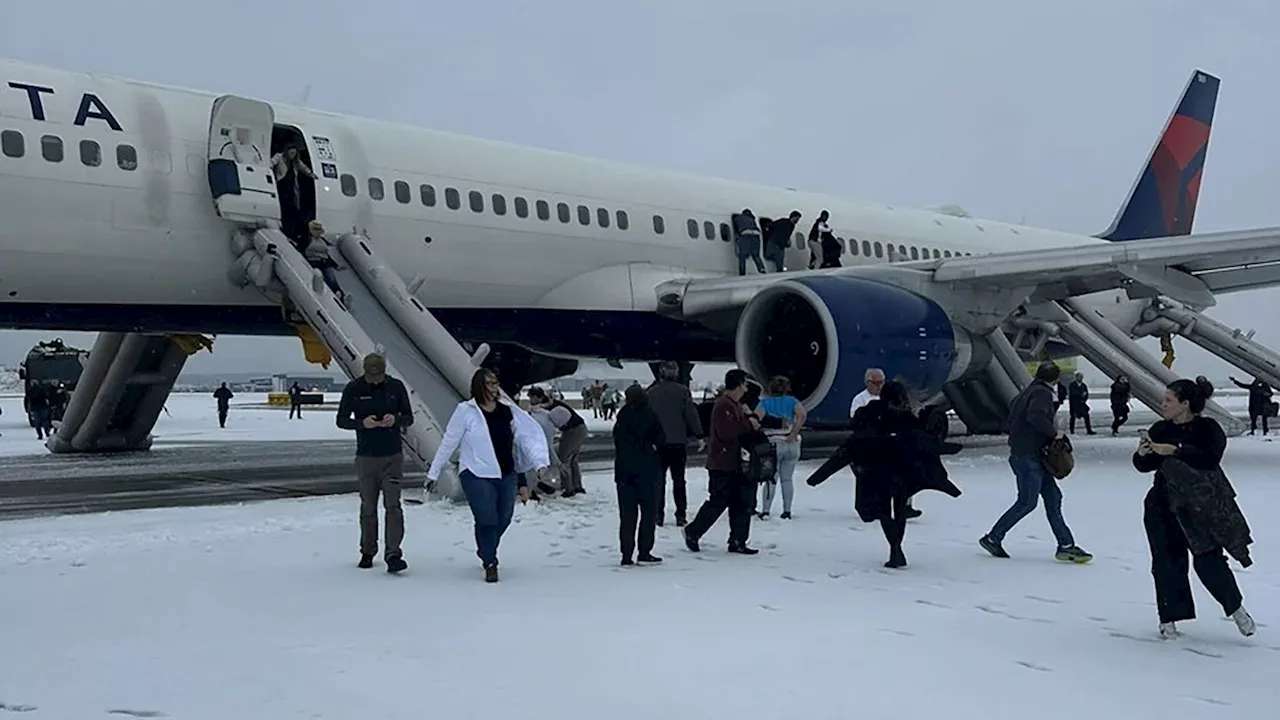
(637, 471)
(895, 458)
(1185, 443)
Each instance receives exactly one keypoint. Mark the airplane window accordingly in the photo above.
(126, 157)
(544, 210)
(476, 200)
(499, 204)
(866, 248)
(879, 249)
(162, 161)
(51, 148)
(693, 228)
(624, 222)
(799, 238)
(13, 144)
(853, 247)
(725, 233)
(90, 153)
(427, 194)
(840, 242)
(659, 225)
(562, 212)
(196, 164)
(376, 189)
(915, 252)
(522, 207)
(584, 215)
(348, 183)
(946, 253)
(403, 194)
(902, 252)
(602, 217)
(451, 198)
(936, 255)
(709, 229)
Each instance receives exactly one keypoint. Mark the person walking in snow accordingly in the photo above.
(1120, 395)
(638, 438)
(1031, 429)
(223, 397)
(498, 446)
(377, 407)
(1187, 440)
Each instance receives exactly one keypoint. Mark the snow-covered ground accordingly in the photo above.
(193, 417)
(257, 611)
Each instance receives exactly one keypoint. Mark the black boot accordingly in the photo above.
(897, 559)
(396, 564)
(742, 549)
(648, 559)
(366, 562)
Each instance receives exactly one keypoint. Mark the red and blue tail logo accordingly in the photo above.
(1163, 201)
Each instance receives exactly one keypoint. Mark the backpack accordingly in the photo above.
(761, 464)
(1058, 458)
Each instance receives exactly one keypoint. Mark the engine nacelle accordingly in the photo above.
(824, 332)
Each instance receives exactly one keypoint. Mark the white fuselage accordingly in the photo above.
(128, 236)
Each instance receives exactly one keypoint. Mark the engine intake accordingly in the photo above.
(825, 332)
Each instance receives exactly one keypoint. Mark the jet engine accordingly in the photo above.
(825, 332)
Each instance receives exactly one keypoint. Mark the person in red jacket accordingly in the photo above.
(730, 488)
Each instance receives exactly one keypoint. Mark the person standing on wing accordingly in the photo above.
(874, 380)
(377, 407)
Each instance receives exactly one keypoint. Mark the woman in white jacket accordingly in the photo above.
(497, 443)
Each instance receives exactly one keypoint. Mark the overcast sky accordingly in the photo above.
(1017, 111)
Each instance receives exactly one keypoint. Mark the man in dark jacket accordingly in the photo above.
(1078, 393)
(377, 407)
(673, 404)
(1259, 400)
(1031, 428)
(637, 438)
(1120, 395)
(777, 238)
(295, 401)
(730, 489)
(223, 397)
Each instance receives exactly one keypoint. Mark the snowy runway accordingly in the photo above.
(257, 611)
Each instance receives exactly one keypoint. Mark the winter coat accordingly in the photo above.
(891, 455)
(637, 436)
(1205, 504)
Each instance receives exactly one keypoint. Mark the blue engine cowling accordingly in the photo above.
(824, 332)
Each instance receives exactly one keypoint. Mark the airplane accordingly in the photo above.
(547, 257)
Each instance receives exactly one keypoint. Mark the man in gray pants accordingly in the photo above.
(377, 407)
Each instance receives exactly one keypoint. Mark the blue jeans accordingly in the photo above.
(1034, 482)
(493, 502)
(788, 456)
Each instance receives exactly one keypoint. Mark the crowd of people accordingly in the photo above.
(894, 450)
(754, 237)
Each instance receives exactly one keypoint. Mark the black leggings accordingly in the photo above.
(894, 524)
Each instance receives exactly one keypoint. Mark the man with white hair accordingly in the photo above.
(874, 380)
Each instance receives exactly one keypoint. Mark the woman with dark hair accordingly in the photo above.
(1184, 448)
(637, 471)
(780, 403)
(497, 443)
(895, 458)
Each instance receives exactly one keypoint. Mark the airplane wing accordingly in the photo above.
(1189, 268)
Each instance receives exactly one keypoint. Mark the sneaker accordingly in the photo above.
(1244, 621)
(786, 515)
(992, 546)
(742, 549)
(913, 513)
(366, 562)
(648, 559)
(691, 542)
(1073, 554)
(628, 562)
(491, 573)
(396, 564)
(1168, 631)
(763, 515)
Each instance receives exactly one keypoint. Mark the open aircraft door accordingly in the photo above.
(240, 176)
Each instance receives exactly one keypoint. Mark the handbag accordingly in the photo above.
(1058, 459)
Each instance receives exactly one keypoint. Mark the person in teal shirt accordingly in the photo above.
(781, 403)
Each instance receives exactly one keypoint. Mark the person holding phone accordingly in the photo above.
(1198, 441)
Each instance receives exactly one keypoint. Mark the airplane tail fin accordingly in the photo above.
(1162, 202)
